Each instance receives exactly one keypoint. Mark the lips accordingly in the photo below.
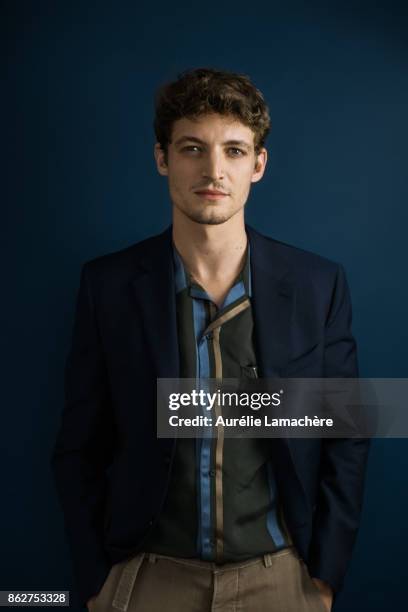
(211, 194)
(211, 191)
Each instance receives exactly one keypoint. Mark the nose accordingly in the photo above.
(213, 166)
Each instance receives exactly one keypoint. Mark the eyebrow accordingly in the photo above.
(240, 143)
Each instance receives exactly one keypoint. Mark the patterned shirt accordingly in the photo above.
(222, 504)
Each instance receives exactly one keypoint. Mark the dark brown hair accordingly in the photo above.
(205, 90)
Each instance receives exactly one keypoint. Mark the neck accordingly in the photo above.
(211, 252)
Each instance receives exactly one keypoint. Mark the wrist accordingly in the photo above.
(323, 586)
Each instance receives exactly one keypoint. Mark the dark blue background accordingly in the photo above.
(80, 180)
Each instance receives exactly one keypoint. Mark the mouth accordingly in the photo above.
(211, 194)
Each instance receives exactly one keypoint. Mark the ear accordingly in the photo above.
(160, 156)
(260, 163)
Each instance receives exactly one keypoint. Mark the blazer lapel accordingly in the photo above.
(273, 300)
(154, 292)
(273, 304)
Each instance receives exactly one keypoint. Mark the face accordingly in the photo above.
(211, 164)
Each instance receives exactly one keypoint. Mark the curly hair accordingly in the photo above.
(206, 90)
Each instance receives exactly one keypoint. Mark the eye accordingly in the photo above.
(235, 152)
(192, 149)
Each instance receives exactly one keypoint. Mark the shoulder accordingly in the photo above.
(287, 260)
(123, 263)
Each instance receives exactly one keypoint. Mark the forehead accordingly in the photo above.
(212, 128)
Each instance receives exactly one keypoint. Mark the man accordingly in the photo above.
(205, 524)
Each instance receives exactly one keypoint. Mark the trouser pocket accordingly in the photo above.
(312, 591)
(126, 582)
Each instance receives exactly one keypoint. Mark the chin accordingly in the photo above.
(209, 219)
(209, 216)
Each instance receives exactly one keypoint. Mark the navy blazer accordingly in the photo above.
(112, 472)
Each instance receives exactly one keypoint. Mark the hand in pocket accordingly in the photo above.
(91, 603)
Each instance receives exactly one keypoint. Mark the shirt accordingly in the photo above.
(222, 504)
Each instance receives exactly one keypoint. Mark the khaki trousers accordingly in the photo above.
(276, 582)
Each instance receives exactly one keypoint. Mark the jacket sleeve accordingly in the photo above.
(343, 460)
(84, 447)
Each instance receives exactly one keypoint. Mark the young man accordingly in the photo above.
(198, 525)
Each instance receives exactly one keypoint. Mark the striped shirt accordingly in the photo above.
(222, 504)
